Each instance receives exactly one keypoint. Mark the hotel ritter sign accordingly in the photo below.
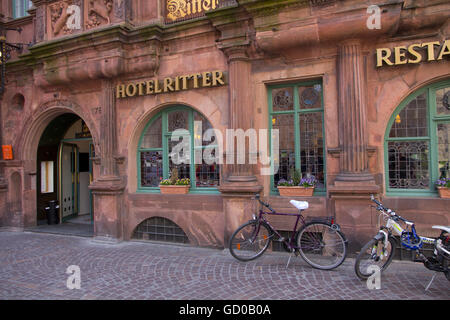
(413, 54)
(186, 82)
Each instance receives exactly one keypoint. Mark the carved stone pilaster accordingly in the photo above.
(353, 131)
(354, 182)
(240, 177)
(108, 135)
(108, 188)
(239, 182)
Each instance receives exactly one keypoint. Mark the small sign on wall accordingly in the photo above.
(47, 173)
(7, 152)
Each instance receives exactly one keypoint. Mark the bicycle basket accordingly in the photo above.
(411, 241)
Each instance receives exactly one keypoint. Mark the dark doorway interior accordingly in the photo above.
(57, 169)
(48, 151)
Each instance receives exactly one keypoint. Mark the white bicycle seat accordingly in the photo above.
(446, 229)
(300, 205)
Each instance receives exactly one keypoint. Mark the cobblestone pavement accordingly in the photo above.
(33, 266)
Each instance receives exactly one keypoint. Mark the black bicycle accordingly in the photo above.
(319, 242)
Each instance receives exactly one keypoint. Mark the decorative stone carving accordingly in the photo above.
(98, 13)
(65, 17)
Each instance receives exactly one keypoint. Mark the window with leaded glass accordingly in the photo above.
(158, 150)
(296, 111)
(417, 141)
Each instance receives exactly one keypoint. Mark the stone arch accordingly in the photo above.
(28, 142)
(35, 125)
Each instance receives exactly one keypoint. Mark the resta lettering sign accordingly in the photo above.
(185, 82)
(413, 54)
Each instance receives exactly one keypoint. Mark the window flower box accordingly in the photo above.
(172, 189)
(443, 187)
(297, 188)
(296, 191)
(175, 185)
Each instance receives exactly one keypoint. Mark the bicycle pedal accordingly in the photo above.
(282, 239)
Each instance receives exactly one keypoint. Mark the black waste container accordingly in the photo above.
(52, 212)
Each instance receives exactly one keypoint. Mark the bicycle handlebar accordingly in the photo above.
(389, 211)
(263, 203)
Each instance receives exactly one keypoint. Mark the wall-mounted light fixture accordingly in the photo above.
(5, 53)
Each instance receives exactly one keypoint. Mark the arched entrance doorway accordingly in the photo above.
(64, 171)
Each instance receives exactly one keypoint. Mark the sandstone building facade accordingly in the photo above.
(92, 89)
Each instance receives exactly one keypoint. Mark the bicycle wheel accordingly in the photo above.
(321, 245)
(375, 253)
(250, 240)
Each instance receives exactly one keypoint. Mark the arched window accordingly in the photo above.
(159, 148)
(160, 229)
(417, 142)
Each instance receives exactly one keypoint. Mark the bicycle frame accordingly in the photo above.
(291, 243)
(391, 224)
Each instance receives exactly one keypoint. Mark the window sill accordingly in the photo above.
(412, 194)
(191, 191)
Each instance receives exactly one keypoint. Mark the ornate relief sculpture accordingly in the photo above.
(98, 12)
(65, 17)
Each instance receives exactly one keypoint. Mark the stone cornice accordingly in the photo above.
(248, 23)
(102, 53)
(111, 43)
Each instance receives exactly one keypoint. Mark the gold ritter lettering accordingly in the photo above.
(206, 79)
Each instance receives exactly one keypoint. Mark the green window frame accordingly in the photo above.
(163, 151)
(20, 8)
(298, 108)
(429, 138)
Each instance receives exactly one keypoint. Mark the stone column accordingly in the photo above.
(354, 183)
(353, 133)
(240, 116)
(109, 187)
(239, 182)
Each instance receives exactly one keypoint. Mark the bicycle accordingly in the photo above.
(320, 243)
(380, 249)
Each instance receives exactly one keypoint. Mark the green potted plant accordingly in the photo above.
(443, 186)
(297, 186)
(174, 185)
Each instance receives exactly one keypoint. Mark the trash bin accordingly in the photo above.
(52, 212)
